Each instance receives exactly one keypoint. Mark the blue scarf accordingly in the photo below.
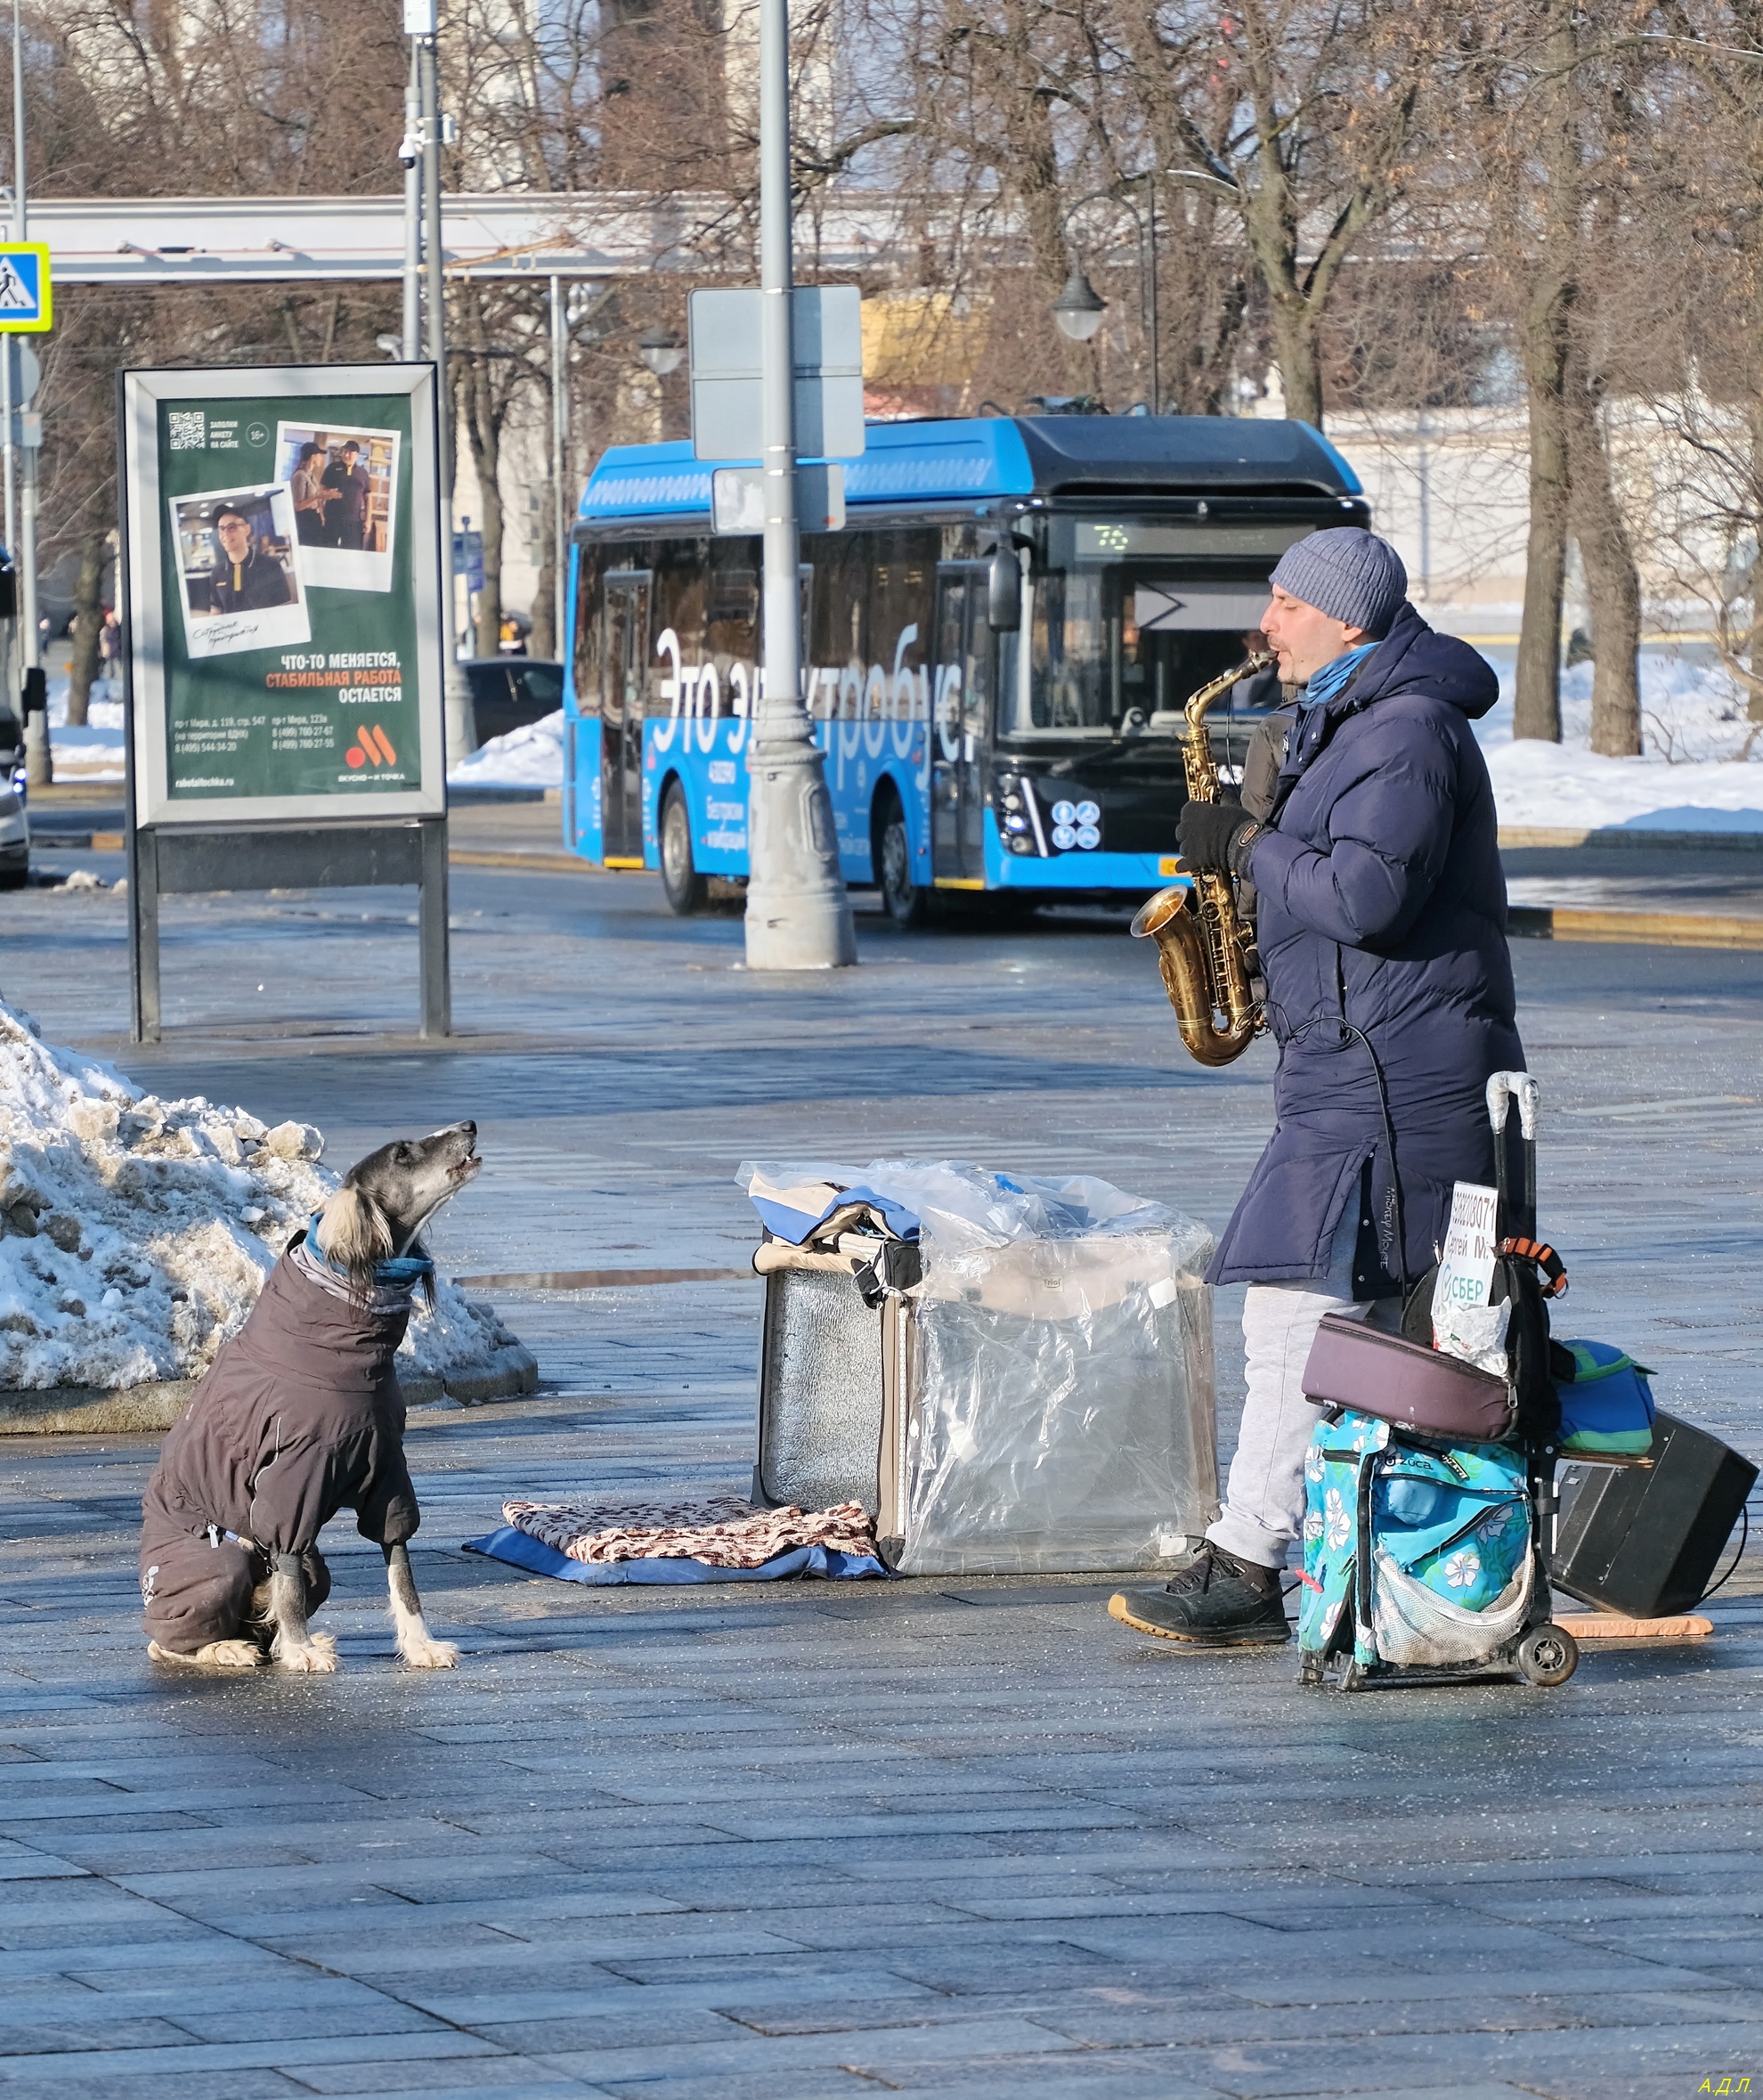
(394, 1283)
(1324, 684)
(403, 1272)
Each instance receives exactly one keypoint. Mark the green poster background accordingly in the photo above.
(302, 717)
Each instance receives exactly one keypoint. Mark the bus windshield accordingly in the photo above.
(1132, 614)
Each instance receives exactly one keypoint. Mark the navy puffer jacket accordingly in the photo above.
(1382, 933)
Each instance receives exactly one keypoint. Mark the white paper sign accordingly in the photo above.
(1466, 1268)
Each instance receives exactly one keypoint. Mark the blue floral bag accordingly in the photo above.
(1426, 1551)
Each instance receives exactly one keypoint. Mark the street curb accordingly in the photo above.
(86, 1411)
(542, 863)
(1514, 837)
(1646, 929)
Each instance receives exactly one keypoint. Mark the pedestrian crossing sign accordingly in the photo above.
(26, 304)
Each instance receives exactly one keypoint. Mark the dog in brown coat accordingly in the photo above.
(298, 1417)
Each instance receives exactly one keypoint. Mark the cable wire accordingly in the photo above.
(1744, 1534)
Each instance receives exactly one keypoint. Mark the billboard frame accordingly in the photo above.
(183, 846)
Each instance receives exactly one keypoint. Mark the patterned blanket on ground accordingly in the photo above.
(723, 1531)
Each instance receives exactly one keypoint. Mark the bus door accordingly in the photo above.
(624, 682)
(958, 731)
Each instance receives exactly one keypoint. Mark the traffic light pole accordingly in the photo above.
(39, 764)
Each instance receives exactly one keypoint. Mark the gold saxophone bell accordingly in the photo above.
(1202, 949)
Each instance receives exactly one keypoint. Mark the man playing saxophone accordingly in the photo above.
(1381, 939)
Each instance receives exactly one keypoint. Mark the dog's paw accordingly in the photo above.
(220, 1655)
(316, 1656)
(422, 1652)
(232, 1655)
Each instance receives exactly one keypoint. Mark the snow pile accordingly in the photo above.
(1700, 769)
(527, 757)
(135, 1234)
(95, 752)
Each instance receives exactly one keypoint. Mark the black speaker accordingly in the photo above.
(1645, 1541)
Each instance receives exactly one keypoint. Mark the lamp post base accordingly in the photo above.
(798, 915)
(460, 711)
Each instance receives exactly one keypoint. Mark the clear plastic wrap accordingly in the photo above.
(1060, 1410)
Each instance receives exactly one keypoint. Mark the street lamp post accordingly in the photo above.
(410, 152)
(798, 915)
(1080, 308)
(560, 466)
(421, 26)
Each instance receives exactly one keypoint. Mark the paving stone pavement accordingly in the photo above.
(961, 1837)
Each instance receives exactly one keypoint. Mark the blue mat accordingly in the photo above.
(522, 1551)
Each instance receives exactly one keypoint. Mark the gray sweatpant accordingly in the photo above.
(1264, 1502)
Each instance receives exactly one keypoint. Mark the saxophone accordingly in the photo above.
(1202, 948)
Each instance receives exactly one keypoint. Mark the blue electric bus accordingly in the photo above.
(996, 648)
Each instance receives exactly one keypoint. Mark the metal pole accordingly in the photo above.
(560, 466)
(1150, 271)
(9, 405)
(1426, 510)
(413, 316)
(7, 363)
(39, 765)
(798, 915)
(461, 725)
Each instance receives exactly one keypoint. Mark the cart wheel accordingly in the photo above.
(1310, 1668)
(1547, 1655)
(1353, 1677)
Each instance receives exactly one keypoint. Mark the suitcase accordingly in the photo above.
(1644, 1540)
(833, 1379)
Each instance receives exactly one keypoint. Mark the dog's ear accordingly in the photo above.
(353, 1231)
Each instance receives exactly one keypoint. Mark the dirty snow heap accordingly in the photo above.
(135, 1234)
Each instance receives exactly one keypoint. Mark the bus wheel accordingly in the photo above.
(908, 903)
(684, 887)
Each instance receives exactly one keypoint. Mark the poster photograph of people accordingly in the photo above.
(344, 484)
(241, 581)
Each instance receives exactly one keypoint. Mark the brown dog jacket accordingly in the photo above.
(299, 1416)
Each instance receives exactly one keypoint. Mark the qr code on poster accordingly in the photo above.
(189, 430)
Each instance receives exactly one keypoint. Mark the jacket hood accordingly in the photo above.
(1411, 658)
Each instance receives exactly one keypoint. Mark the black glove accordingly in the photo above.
(1206, 832)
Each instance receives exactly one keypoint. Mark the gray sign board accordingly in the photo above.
(826, 323)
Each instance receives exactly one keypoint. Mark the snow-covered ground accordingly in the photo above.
(95, 752)
(1700, 769)
(135, 1234)
(529, 757)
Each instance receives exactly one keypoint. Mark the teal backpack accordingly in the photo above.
(1606, 1405)
(1414, 1553)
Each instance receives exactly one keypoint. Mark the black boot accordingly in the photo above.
(1215, 1601)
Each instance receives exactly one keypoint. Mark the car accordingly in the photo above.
(14, 842)
(508, 692)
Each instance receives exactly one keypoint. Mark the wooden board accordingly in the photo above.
(1607, 1626)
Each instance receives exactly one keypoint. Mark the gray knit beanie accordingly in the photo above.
(1352, 576)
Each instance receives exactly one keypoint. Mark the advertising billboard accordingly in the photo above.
(284, 594)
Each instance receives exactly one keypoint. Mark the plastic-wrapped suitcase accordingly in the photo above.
(1032, 1403)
